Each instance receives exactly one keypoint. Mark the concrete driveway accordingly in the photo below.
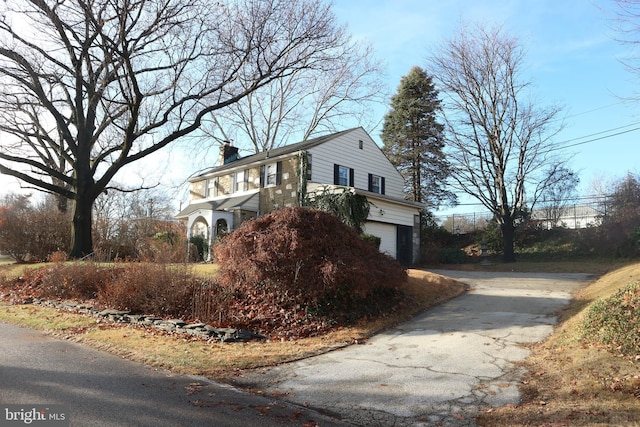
(440, 368)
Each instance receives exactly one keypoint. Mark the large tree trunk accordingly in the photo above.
(81, 227)
(508, 236)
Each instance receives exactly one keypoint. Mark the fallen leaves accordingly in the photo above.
(193, 388)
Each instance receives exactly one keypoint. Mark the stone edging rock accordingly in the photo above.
(178, 326)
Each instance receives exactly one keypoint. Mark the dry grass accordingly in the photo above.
(571, 383)
(204, 270)
(44, 318)
(597, 266)
(9, 269)
(215, 360)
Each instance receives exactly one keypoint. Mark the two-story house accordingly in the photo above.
(242, 188)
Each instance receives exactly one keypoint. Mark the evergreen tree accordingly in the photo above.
(413, 139)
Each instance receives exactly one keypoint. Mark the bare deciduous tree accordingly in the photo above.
(124, 218)
(556, 195)
(339, 83)
(88, 88)
(499, 137)
(626, 22)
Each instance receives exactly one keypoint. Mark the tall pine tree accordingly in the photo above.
(413, 140)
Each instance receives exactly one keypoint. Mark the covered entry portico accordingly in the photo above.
(211, 219)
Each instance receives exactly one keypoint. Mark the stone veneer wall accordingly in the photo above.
(285, 194)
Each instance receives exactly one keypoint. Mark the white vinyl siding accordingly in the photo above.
(344, 150)
(384, 211)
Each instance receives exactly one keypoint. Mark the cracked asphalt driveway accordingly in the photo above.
(441, 367)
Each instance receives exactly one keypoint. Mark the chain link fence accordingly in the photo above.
(574, 214)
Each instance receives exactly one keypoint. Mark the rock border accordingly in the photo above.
(178, 326)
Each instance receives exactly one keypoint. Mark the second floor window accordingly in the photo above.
(212, 187)
(241, 181)
(271, 174)
(376, 184)
(342, 175)
(309, 163)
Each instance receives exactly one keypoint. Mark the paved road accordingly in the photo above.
(440, 368)
(103, 390)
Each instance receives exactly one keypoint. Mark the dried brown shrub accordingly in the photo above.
(80, 281)
(147, 288)
(300, 265)
(142, 288)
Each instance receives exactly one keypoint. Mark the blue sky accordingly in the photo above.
(572, 56)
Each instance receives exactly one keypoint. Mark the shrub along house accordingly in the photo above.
(239, 189)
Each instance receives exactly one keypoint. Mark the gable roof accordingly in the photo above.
(264, 155)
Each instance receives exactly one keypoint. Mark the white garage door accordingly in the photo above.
(387, 234)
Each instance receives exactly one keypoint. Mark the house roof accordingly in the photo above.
(371, 195)
(264, 155)
(216, 205)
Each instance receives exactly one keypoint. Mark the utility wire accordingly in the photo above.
(600, 133)
(595, 139)
(560, 145)
(595, 109)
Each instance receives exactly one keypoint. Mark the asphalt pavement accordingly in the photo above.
(442, 367)
(103, 390)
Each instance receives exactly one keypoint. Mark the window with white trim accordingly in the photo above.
(271, 174)
(240, 181)
(212, 187)
(376, 184)
(342, 175)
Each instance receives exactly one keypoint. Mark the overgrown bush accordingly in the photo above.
(452, 256)
(615, 321)
(296, 272)
(440, 246)
(142, 288)
(163, 247)
(79, 281)
(143, 239)
(615, 236)
(298, 263)
(542, 244)
(149, 288)
(210, 303)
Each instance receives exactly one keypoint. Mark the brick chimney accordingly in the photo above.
(228, 153)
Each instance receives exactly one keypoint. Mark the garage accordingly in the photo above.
(387, 234)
